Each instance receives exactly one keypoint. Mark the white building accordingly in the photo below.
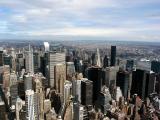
(30, 105)
(29, 60)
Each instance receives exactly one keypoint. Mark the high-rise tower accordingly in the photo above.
(113, 55)
(29, 60)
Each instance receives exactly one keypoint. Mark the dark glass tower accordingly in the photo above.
(86, 92)
(138, 83)
(95, 75)
(123, 80)
(113, 55)
(1, 58)
(155, 66)
(143, 83)
(105, 62)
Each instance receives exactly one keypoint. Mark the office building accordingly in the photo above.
(155, 66)
(105, 62)
(38, 88)
(29, 61)
(31, 102)
(59, 78)
(36, 61)
(76, 87)
(95, 75)
(104, 100)
(109, 78)
(129, 65)
(113, 55)
(150, 83)
(28, 82)
(19, 104)
(70, 70)
(67, 91)
(80, 112)
(6, 77)
(86, 92)
(138, 83)
(123, 80)
(7, 60)
(54, 59)
(77, 64)
(20, 64)
(1, 58)
(98, 58)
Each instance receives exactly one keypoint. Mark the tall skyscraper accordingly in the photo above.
(105, 62)
(70, 70)
(29, 63)
(30, 105)
(28, 82)
(13, 89)
(54, 59)
(67, 91)
(123, 80)
(1, 58)
(60, 77)
(98, 58)
(95, 75)
(36, 61)
(155, 66)
(150, 83)
(104, 100)
(130, 65)
(113, 55)
(86, 92)
(143, 83)
(38, 88)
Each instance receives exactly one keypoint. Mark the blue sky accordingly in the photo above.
(86, 19)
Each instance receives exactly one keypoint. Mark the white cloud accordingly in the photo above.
(19, 18)
(107, 18)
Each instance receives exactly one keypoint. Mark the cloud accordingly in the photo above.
(108, 18)
(19, 18)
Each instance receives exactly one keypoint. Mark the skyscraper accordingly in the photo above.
(86, 92)
(113, 55)
(59, 78)
(155, 66)
(98, 58)
(104, 100)
(76, 88)
(95, 75)
(40, 97)
(54, 58)
(30, 106)
(29, 64)
(28, 82)
(70, 68)
(1, 58)
(143, 83)
(105, 62)
(138, 83)
(36, 62)
(123, 80)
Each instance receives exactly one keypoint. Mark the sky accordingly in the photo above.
(80, 19)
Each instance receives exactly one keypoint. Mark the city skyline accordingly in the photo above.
(75, 19)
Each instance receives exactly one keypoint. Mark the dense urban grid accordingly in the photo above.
(87, 80)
